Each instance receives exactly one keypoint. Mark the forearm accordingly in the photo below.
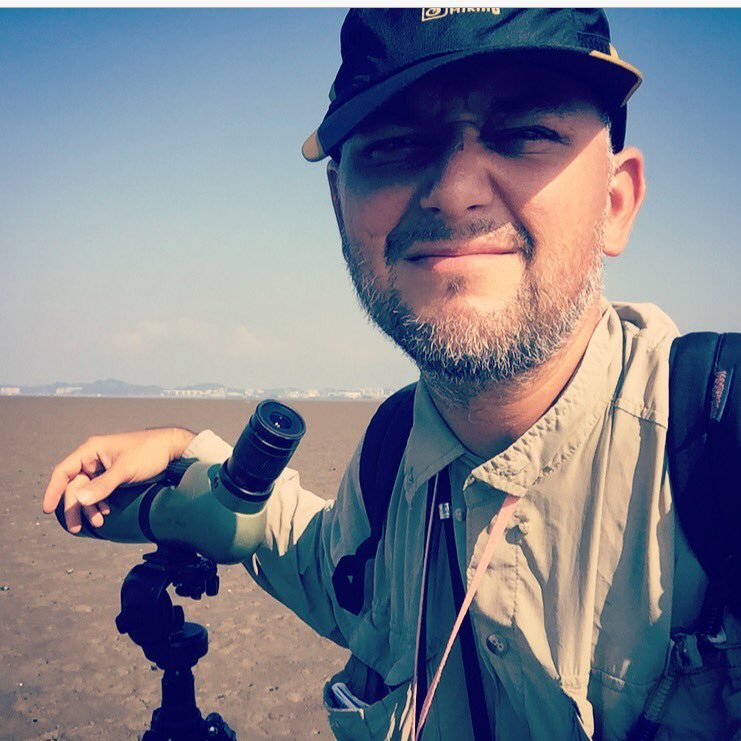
(292, 563)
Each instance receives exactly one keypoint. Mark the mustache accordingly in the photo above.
(401, 240)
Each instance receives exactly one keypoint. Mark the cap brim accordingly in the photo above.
(613, 80)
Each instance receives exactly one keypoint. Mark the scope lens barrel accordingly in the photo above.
(263, 450)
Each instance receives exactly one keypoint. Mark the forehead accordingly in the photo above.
(485, 87)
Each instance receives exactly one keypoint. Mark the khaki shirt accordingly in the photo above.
(574, 614)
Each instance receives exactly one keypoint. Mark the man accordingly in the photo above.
(478, 175)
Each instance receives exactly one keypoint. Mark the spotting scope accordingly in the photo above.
(217, 510)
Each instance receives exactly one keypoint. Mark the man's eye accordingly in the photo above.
(393, 148)
(520, 139)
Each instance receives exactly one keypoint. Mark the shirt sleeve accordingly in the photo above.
(305, 536)
(209, 447)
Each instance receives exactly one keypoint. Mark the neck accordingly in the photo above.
(489, 421)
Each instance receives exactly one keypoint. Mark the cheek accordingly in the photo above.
(583, 187)
(370, 217)
(563, 217)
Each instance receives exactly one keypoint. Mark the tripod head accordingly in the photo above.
(159, 627)
(147, 612)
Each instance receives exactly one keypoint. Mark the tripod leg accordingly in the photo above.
(179, 718)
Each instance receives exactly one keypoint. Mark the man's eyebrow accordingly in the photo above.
(402, 116)
(532, 105)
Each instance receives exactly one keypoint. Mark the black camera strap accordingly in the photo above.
(443, 523)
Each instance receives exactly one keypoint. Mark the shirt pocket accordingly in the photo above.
(618, 703)
(388, 718)
(695, 711)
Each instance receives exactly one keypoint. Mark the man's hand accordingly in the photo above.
(102, 463)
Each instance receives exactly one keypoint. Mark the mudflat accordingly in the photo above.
(66, 673)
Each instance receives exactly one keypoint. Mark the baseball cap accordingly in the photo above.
(385, 50)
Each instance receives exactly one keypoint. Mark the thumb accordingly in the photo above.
(101, 486)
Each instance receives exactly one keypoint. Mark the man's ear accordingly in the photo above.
(333, 177)
(626, 192)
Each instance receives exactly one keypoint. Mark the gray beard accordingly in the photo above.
(463, 355)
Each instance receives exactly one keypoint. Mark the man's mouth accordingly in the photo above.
(455, 254)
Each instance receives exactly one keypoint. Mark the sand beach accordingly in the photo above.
(66, 671)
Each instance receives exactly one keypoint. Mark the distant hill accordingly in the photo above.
(114, 388)
(107, 387)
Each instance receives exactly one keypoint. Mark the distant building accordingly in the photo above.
(67, 390)
(199, 393)
(345, 394)
(374, 393)
(10, 390)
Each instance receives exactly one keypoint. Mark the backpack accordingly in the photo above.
(703, 447)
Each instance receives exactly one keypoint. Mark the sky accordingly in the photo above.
(159, 225)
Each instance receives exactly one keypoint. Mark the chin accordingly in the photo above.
(457, 293)
(462, 305)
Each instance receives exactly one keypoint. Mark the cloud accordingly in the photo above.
(141, 338)
(246, 342)
(192, 334)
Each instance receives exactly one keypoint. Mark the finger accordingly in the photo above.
(97, 489)
(104, 508)
(93, 516)
(92, 466)
(55, 490)
(91, 512)
(72, 512)
(63, 473)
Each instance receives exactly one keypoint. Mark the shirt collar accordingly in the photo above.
(432, 444)
(552, 439)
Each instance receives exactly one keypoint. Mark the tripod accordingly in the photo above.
(159, 627)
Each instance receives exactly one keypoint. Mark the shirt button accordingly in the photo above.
(496, 644)
(459, 513)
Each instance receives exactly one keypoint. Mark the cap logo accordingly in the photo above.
(432, 14)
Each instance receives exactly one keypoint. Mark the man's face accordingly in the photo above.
(471, 209)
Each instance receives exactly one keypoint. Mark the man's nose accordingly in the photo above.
(460, 184)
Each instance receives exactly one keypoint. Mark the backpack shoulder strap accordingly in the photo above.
(383, 447)
(703, 449)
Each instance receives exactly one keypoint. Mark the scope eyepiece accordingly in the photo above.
(263, 450)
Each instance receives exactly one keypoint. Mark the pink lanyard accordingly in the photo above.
(496, 530)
